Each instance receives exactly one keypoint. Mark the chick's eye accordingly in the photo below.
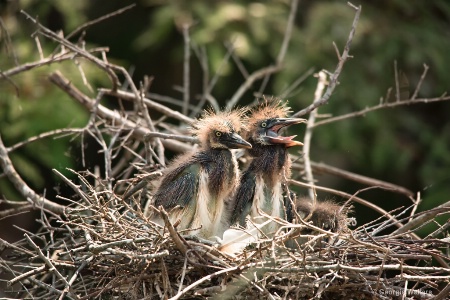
(218, 133)
(263, 124)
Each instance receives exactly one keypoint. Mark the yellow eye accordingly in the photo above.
(218, 133)
(263, 124)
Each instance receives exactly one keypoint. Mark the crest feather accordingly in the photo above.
(268, 109)
(223, 121)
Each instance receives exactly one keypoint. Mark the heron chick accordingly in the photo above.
(263, 184)
(193, 189)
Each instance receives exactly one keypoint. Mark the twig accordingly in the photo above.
(422, 218)
(419, 84)
(349, 196)
(8, 44)
(50, 34)
(308, 134)
(334, 77)
(186, 69)
(203, 279)
(397, 84)
(139, 131)
(173, 233)
(380, 106)
(23, 188)
(46, 260)
(149, 103)
(248, 82)
(288, 32)
(98, 20)
(322, 167)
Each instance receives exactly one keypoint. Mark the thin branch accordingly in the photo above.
(419, 84)
(150, 104)
(23, 188)
(380, 106)
(322, 167)
(248, 83)
(288, 32)
(422, 218)
(186, 69)
(98, 20)
(308, 134)
(59, 39)
(138, 131)
(397, 84)
(334, 77)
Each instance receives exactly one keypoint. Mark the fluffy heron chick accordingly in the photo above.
(193, 189)
(263, 187)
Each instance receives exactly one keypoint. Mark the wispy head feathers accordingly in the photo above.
(223, 121)
(268, 109)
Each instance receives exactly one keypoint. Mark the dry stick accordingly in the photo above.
(284, 45)
(288, 32)
(8, 43)
(334, 77)
(52, 35)
(203, 279)
(150, 104)
(422, 218)
(206, 85)
(100, 19)
(179, 243)
(322, 167)
(380, 106)
(44, 135)
(308, 135)
(397, 85)
(284, 94)
(115, 118)
(443, 294)
(46, 260)
(419, 84)
(349, 196)
(72, 280)
(27, 274)
(23, 188)
(248, 82)
(26, 207)
(148, 120)
(186, 68)
(139, 97)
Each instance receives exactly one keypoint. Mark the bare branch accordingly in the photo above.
(308, 134)
(334, 77)
(23, 188)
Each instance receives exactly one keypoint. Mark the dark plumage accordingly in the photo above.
(193, 189)
(326, 215)
(263, 183)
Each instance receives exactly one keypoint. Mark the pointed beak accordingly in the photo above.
(234, 141)
(273, 136)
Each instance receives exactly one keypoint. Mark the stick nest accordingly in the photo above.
(104, 247)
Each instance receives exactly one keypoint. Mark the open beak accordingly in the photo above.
(234, 140)
(272, 133)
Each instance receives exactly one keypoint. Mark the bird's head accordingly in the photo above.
(266, 121)
(220, 130)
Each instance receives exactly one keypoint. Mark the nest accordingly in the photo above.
(105, 247)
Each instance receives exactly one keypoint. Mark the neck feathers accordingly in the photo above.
(270, 161)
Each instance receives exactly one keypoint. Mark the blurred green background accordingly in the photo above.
(408, 145)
